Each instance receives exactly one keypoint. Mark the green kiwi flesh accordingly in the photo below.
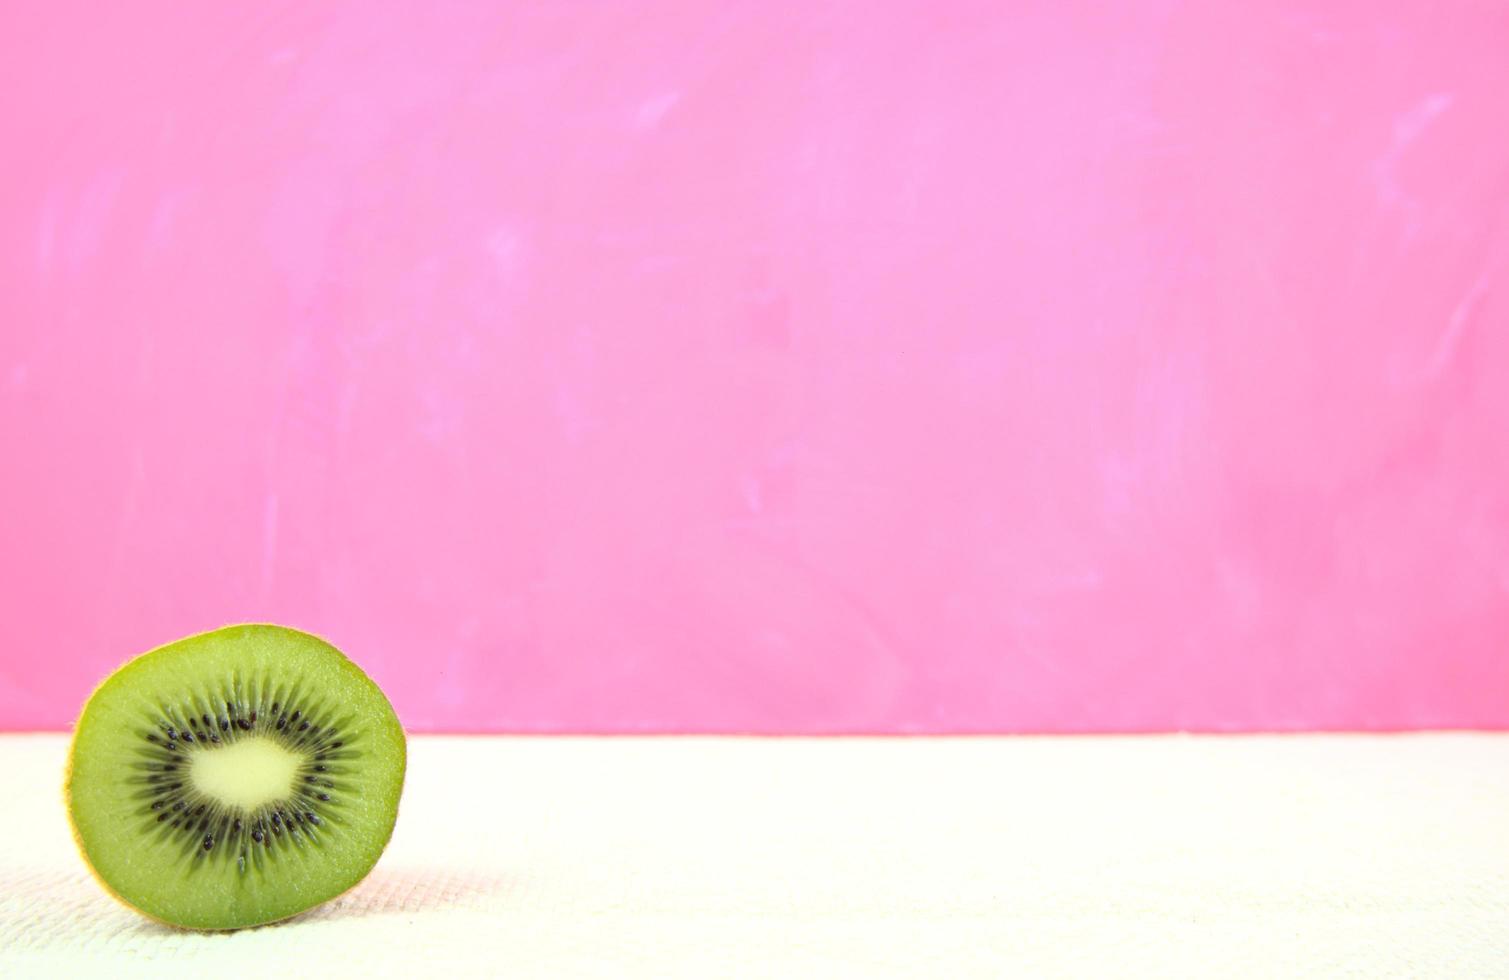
(235, 778)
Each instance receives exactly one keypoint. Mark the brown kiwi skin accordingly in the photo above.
(78, 840)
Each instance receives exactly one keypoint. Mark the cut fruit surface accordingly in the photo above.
(235, 778)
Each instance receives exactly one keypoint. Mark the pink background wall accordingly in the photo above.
(772, 366)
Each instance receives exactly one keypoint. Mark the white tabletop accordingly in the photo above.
(793, 858)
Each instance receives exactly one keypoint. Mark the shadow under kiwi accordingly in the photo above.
(33, 901)
(407, 891)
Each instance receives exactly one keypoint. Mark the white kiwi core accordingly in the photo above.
(246, 774)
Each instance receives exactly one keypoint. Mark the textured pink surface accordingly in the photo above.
(772, 366)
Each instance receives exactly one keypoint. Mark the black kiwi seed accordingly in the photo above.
(225, 724)
(336, 745)
(295, 716)
(206, 720)
(237, 826)
(175, 786)
(312, 818)
(243, 724)
(188, 736)
(303, 726)
(282, 722)
(324, 797)
(163, 816)
(257, 836)
(209, 842)
(252, 717)
(179, 805)
(158, 805)
(171, 733)
(319, 768)
(151, 737)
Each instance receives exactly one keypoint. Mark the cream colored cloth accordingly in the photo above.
(796, 858)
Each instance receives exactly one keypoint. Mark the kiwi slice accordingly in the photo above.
(235, 778)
